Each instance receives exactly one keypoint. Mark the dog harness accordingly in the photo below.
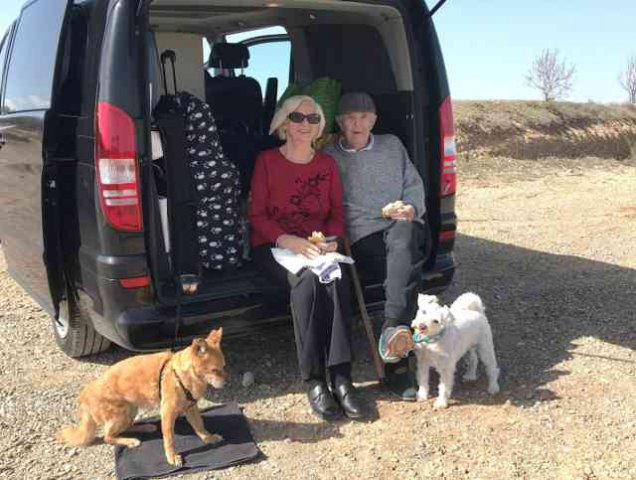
(186, 392)
(163, 365)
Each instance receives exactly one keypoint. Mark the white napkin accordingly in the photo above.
(327, 271)
(294, 262)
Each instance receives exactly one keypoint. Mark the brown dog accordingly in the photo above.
(171, 381)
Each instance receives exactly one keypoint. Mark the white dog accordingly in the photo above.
(444, 335)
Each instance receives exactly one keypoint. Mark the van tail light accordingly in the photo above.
(135, 282)
(448, 177)
(447, 236)
(116, 168)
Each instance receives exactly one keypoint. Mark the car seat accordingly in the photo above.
(237, 105)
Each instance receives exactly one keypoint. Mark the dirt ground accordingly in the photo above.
(551, 248)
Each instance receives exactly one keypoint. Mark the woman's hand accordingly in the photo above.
(298, 245)
(328, 246)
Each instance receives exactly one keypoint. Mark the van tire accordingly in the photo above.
(74, 332)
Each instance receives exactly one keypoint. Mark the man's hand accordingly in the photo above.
(298, 245)
(404, 213)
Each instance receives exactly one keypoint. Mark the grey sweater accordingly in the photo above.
(374, 177)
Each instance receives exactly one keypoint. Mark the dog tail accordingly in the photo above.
(82, 434)
(469, 301)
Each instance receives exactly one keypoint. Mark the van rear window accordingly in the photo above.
(33, 56)
(356, 55)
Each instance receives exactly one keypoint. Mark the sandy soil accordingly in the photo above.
(549, 245)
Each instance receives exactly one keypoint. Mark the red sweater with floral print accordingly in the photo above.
(294, 198)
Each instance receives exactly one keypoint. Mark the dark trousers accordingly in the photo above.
(396, 256)
(321, 314)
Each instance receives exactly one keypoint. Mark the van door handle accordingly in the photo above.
(3, 140)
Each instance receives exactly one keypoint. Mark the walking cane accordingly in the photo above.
(366, 321)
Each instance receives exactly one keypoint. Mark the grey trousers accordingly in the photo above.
(396, 257)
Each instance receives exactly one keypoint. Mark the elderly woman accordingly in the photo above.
(294, 192)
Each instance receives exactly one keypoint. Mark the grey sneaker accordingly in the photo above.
(395, 343)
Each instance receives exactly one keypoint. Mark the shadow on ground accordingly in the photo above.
(539, 304)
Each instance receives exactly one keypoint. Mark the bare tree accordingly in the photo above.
(628, 79)
(551, 76)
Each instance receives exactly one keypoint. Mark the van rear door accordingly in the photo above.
(433, 96)
(28, 190)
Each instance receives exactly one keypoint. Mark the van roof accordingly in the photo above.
(216, 15)
(213, 18)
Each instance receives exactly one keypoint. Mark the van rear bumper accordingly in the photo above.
(147, 330)
(132, 320)
(147, 326)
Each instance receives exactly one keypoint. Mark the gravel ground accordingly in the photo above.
(548, 245)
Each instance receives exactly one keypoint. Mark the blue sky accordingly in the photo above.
(489, 45)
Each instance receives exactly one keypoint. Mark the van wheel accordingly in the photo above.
(74, 332)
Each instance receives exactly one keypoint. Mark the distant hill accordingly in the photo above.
(531, 130)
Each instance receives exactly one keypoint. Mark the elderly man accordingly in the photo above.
(386, 224)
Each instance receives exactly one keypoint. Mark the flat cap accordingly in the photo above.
(356, 102)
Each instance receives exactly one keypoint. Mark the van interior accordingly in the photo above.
(363, 46)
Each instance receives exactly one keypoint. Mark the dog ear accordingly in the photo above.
(424, 300)
(199, 346)
(214, 338)
(447, 315)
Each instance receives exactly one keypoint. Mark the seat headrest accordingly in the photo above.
(229, 55)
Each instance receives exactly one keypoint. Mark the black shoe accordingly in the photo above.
(399, 381)
(322, 402)
(349, 399)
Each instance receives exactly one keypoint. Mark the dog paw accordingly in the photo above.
(212, 438)
(492, 389)
(440, 403)
(133, 443)
(175, 459)
(470, 377)
(422, 395)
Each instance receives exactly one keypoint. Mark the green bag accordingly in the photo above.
(325, 90)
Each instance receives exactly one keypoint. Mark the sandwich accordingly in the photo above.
(392, 208)
(317, 237)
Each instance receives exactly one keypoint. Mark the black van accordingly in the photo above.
(94, 264)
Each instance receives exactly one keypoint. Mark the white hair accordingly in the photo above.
(290, 105)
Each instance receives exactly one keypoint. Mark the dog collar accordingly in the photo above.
(419, 338)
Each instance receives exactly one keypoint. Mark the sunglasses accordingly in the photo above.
(297, 117)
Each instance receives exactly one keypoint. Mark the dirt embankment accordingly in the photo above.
(531, 130)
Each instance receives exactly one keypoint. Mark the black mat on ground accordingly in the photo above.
(149, 460)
